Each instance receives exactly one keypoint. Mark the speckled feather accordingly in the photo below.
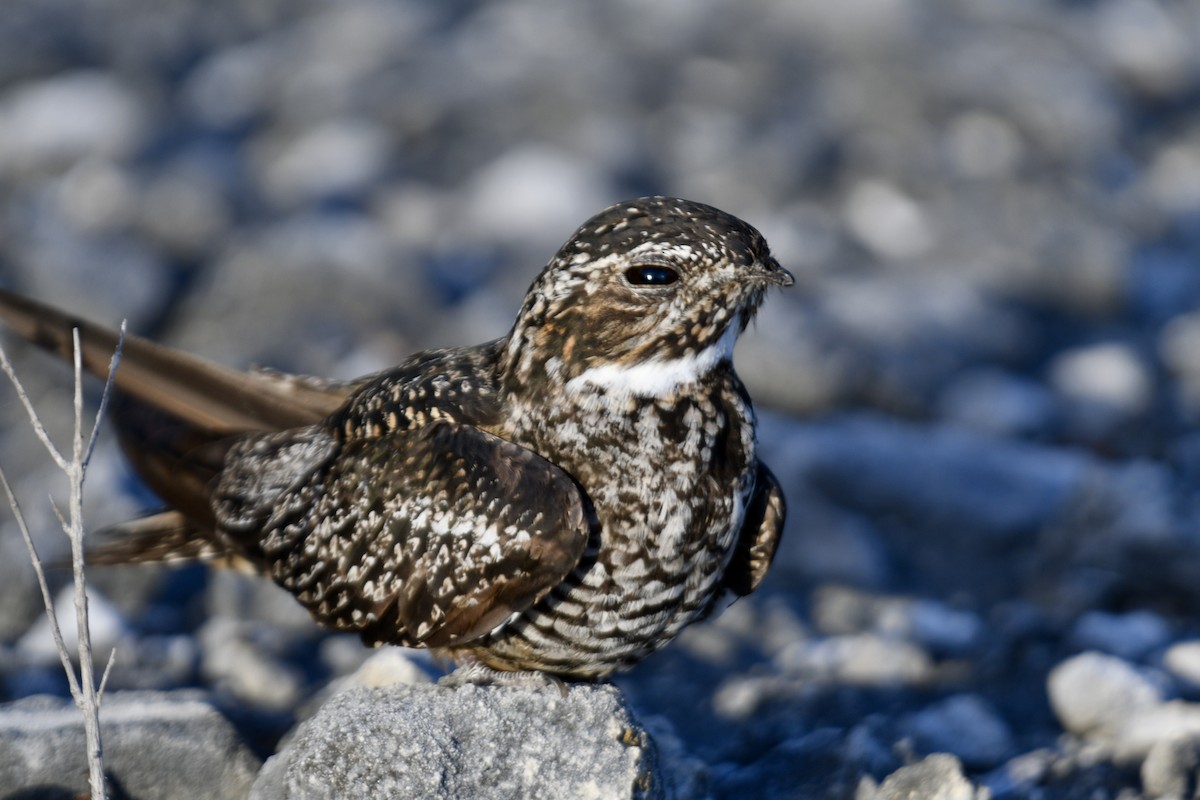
(564, 499)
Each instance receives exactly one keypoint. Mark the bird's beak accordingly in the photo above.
(769, 271)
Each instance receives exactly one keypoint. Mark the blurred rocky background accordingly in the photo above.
(981, 398)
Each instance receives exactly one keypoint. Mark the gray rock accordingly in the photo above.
(156, 745)
(338, 157)
(966, 726)
(241, 657)
(58, 120)
(859, 659)
(936, 777)
(1096, 695)
(1172, 768)
(469, 742)
(1147, 45)
(838, 609)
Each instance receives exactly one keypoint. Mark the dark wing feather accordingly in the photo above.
(430, 536)
(762, 528)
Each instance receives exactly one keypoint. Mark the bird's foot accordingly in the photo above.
(477, 674)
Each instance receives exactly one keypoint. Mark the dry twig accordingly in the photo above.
(83, 686)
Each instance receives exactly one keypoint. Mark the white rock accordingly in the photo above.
(534, 195)
(340, 156)
(936, 777)
(1113, 375)
(1093, 694)
(1148, 43)
(106, 624)
(1182, 660)
(888, 221)
(864, 659)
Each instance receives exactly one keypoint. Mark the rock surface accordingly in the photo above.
(156, 746)
(473, 742)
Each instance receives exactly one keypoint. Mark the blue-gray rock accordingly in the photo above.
(471, 742)
(1130, 635)
(965, 725)
(157, 746)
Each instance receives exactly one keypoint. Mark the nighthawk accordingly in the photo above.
(564, 499)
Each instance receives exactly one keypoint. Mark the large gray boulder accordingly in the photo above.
(475, 743)
(157, 746)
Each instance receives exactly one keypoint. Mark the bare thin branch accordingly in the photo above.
(62, 520)
(34, 420)
(112, 657)
(89, 703)
(83, 686)
(105, 395)
(47, 598)
(77, 439)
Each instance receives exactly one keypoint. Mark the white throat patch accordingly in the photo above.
(658, 378)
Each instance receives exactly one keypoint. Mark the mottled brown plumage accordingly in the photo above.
(564, 499)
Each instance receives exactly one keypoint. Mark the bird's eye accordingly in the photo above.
(651, 275)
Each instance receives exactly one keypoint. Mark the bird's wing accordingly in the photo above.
(762, 528)
(429, 536)
(192, 389)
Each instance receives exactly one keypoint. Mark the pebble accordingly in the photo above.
(237, 658)
(1172, 768)
(339, 157)
(55, 122)
(862, 659)
(1094, 694)
(840, 609)
(1182, 660)
(936, 777)
(1112, 375)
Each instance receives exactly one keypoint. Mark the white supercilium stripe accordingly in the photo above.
(656, 378)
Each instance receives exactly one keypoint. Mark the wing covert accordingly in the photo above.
(429, 536)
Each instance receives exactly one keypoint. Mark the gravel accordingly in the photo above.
(981, 397)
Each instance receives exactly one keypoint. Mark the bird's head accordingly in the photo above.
(646, 295)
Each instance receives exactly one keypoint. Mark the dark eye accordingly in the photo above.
(651, 275)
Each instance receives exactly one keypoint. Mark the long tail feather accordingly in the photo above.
(213, 397)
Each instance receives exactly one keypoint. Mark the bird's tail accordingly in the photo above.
(176, 415)
(193, 389)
